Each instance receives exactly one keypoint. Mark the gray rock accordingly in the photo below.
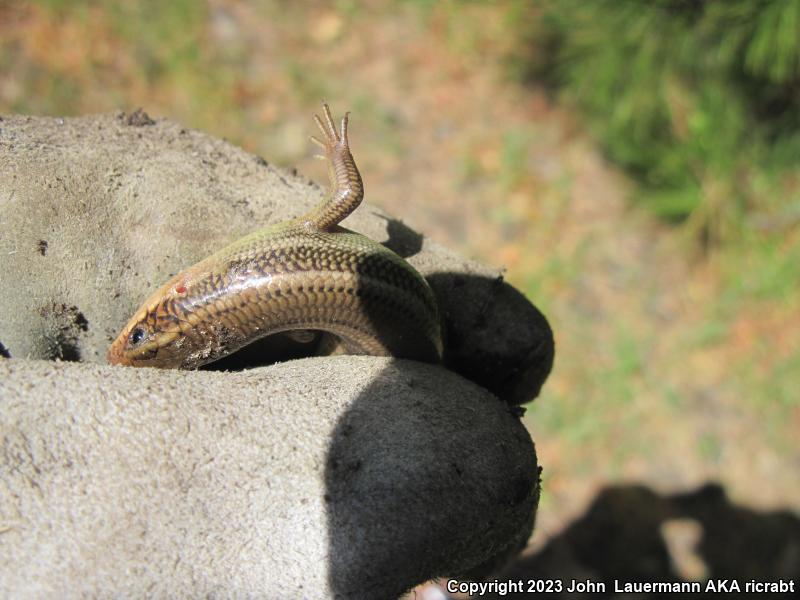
(346, 477)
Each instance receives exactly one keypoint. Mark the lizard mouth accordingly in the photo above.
(116, 355)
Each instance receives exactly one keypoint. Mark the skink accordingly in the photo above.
(304, 274)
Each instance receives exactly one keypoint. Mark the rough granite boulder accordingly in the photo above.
(351, 477)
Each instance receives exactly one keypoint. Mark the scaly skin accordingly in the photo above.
(307, 273)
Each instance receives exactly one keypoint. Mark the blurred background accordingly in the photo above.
(633, 165)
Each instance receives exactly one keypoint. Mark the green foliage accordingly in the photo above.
(700, 101)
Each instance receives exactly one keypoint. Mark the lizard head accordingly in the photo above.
(153, 336)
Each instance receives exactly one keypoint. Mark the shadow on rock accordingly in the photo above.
(494, 336)
(403, 240)
(268, 350)
(426, 474)
(632, 534)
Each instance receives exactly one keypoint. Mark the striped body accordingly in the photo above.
(307, 273)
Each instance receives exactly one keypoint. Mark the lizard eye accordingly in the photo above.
(136, 336)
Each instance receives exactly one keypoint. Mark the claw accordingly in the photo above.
(331, 136)
(344, 127)
(324, 131)
(329, 121)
